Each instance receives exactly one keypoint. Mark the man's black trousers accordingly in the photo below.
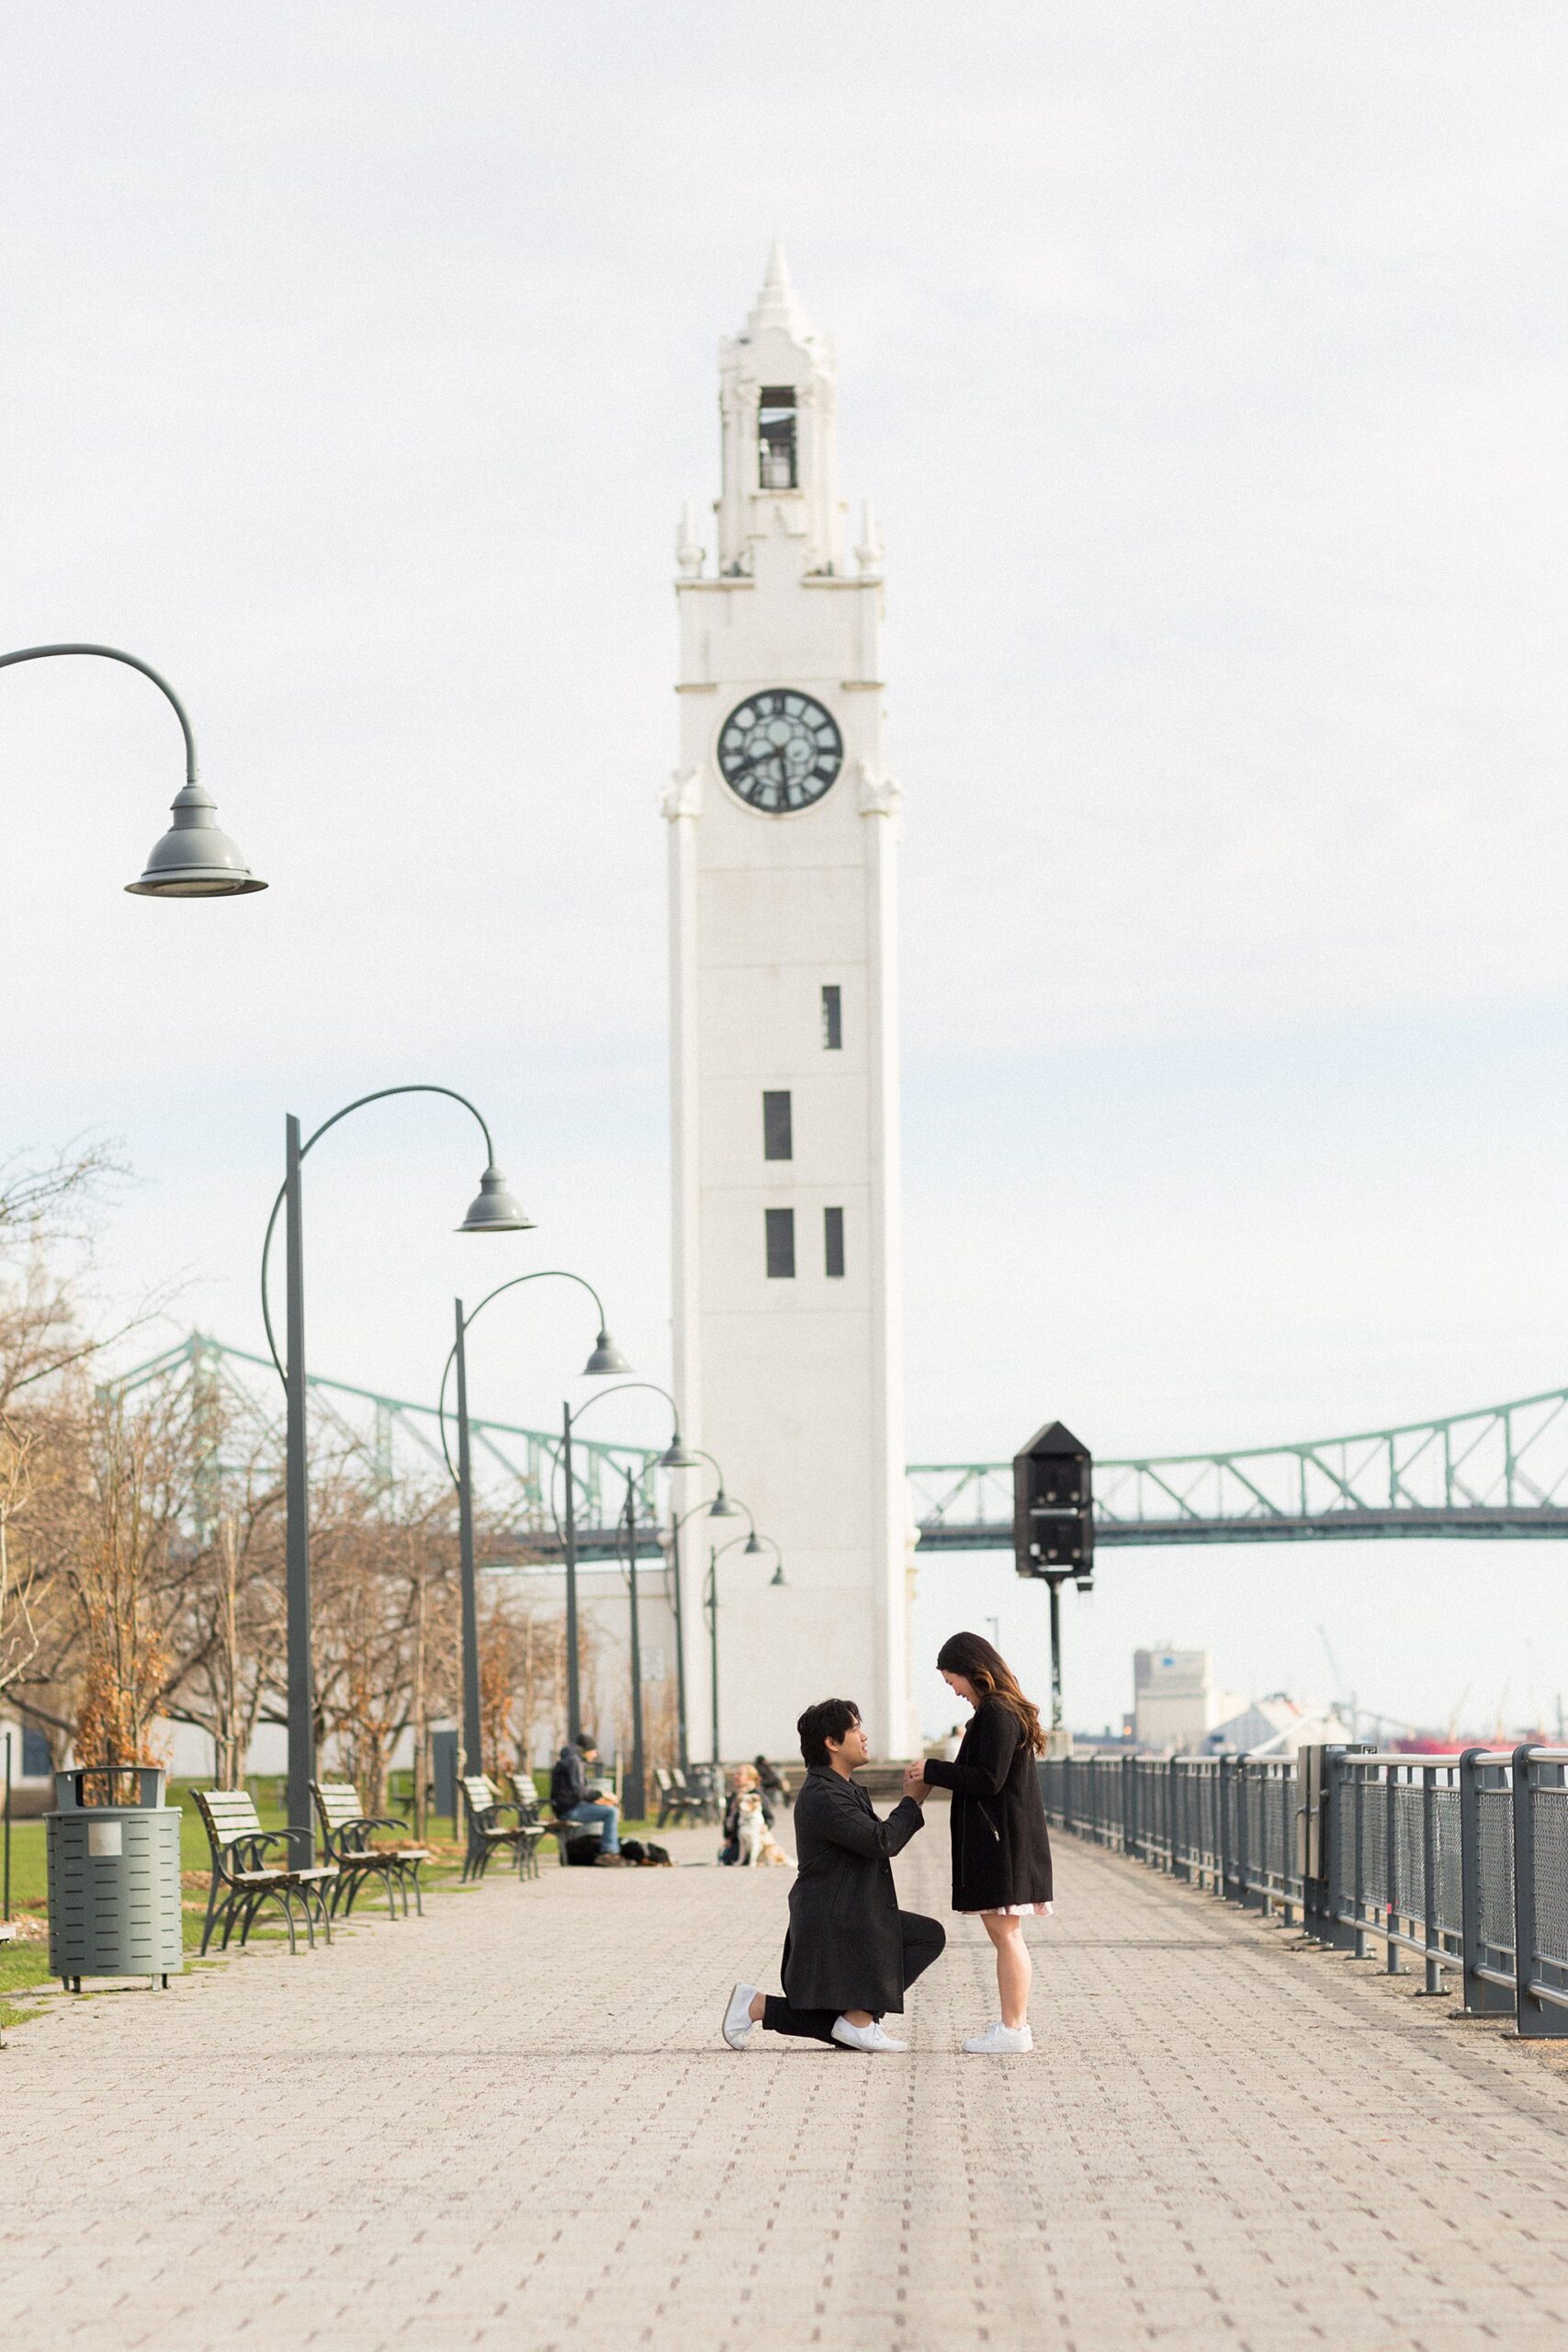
(924, 1942)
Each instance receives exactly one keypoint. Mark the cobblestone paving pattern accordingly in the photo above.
(513, 2124)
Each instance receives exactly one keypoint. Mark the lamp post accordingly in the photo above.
(492, 1211)
(193, 859)
(635, 1805)
(674, 1457)
(606, 1358)
(751, 1543)
(723, 1506)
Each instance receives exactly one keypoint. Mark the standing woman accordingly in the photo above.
(1001, 1852)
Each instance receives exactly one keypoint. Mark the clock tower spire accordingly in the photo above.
(784, 832)
(777, 395)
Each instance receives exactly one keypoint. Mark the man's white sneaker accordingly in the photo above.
(1000, 2040)
(864, 2037)
(739, 2022)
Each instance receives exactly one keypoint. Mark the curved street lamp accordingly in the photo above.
(751, 1544)
(493, 1210)
(723, 1506)
(606, 1358)
(675, 1456)
(194, 859)
(720, 1507)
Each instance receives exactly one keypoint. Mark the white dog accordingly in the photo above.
(751, 1835)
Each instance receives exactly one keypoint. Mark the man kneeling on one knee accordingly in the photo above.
(851, 1954)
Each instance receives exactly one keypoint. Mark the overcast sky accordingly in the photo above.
(1206, 365)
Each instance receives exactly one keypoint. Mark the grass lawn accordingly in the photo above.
(24, 1966)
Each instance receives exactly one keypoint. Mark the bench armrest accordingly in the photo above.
(350, 1835)
(245, 1853)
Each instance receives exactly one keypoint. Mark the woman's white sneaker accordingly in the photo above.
(999, 2040)
(739, 2023)
(864, 2037)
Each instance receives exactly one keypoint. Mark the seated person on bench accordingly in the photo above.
(569, 1797)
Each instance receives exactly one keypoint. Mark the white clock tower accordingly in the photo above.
(784, 833)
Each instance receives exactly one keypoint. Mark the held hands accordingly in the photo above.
(915, 1783)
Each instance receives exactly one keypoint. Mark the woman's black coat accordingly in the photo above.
(844, 1949)
(1001, 1850)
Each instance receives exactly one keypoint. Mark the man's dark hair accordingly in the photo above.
(828, 1719)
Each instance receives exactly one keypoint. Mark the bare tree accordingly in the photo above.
(127, 1563)
(21, 1587)
(50, 1210)
(229, 1634)
(387, 1558)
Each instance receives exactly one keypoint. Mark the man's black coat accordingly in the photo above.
(843, 1950)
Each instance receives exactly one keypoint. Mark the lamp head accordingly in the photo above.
(776, 1582)
(722, 1507)
(495, 1211)
(606, 1357)
(675, 1456)
(193, 859)
(754, 1544)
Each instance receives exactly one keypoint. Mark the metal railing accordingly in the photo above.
(1460, 1860)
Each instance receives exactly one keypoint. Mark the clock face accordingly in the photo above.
(780, 750)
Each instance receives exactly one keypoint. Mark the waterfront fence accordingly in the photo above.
(1460, 1860)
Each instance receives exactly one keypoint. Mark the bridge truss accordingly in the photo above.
(1500, 1472)
(398, 1439)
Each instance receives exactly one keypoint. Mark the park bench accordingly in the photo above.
(346, 1833)
(531, 1815)
(678, 1804)
(243, 1879)
(702, 1790)
(488, 1832)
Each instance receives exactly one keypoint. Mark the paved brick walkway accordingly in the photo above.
(514, 2125)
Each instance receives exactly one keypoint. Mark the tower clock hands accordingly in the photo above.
(780, 760)
(759, 760)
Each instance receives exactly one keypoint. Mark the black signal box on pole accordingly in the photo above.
(1052, 1508)
(1052, 1537)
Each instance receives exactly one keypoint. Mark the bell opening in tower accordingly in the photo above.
(776, 448)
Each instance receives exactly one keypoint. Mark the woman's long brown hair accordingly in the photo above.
(990, 1677)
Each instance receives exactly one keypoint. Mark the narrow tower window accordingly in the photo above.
(776, 415)
(778, 1138)
(833, 1241)
(833, 1021)
(781, 1244)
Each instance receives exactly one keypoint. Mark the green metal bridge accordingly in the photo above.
(1499, 1472)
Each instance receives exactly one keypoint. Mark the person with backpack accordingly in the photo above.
(570, 1799)
(1001, 1848)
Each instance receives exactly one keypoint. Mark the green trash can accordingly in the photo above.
(114, 1878)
